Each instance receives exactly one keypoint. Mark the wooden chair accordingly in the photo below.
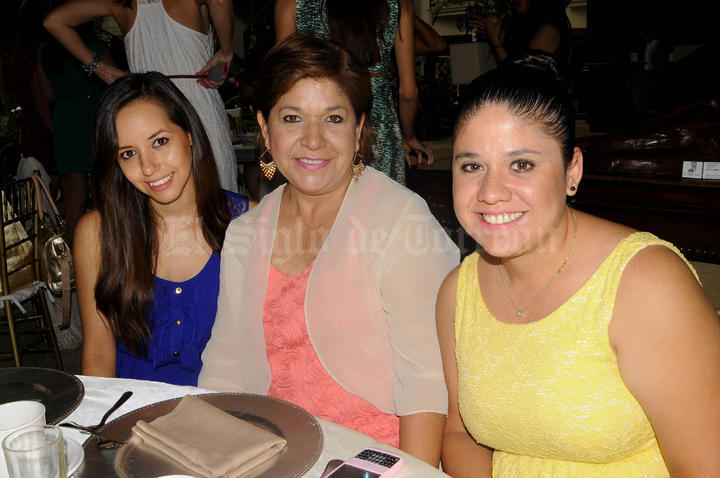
(24, 316)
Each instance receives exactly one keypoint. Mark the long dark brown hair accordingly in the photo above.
(124, 292)
(356, 25)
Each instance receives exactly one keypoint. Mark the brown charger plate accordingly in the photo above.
(134, 460)
(60, 392)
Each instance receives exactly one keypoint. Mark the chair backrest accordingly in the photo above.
(19, 264)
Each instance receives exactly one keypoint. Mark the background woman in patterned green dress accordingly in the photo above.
(370, 29)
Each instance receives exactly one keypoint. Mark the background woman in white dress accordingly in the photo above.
(174, 37)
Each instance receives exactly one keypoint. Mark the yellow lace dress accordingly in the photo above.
(547, 396)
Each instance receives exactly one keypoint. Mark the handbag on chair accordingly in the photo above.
(19, 252)
(55, 253)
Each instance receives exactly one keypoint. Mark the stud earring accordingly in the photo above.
(268, 168)
(572, 188)
(357, 167)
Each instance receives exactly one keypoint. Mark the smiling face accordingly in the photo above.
(510, 182)
(313, 136)
(154, 153)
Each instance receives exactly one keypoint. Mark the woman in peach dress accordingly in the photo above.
(328, 287)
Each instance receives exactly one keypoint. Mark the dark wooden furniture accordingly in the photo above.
(682, 211)
(634, 177)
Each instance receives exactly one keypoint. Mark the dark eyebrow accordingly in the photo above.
(329, 108)
(156, 133)
(466, 155)
(149, 137)
(520, 152)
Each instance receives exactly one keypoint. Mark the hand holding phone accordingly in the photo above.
(369, 463)
(219, 72)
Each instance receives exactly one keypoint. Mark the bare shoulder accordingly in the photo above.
(89, 225)
(448, 288)
(87, 254)
(658, 292)
(87, 233)
(446, 301)
(605, 230)
(657, 267)
(598, 237)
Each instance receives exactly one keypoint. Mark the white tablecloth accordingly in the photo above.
(339, 442)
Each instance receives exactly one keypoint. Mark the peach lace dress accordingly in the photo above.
(299, 377)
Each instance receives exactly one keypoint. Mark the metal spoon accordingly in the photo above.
(107, 444)
(94, 428)
(104, 444)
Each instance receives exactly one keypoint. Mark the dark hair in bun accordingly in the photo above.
(531, 88)
(538, 60)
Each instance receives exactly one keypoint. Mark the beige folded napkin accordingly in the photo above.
(208, 440)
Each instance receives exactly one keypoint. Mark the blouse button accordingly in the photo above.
(178, 290)
(176, 354)
(177, 322)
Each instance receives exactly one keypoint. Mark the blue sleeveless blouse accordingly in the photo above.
(180, 322)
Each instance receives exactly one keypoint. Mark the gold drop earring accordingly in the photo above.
(357, 167)
(268, 168)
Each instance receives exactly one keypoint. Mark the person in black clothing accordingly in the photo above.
(534, 26)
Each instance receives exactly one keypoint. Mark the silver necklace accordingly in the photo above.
(521, 312)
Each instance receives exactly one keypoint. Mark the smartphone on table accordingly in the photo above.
(369, 463)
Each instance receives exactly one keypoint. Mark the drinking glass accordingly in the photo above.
(35, 452)
(15, 416)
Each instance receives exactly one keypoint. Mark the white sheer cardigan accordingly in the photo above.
(369, 305)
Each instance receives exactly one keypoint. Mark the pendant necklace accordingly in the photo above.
(521, 312)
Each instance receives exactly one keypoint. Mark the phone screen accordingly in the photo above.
(347, 471)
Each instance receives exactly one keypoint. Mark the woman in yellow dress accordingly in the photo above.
(572, 346)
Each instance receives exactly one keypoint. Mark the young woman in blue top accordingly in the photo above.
(147, 258)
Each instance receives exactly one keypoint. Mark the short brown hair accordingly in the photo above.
(298, 57)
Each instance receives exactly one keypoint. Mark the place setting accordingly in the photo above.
(218, 434)
(213, 434)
